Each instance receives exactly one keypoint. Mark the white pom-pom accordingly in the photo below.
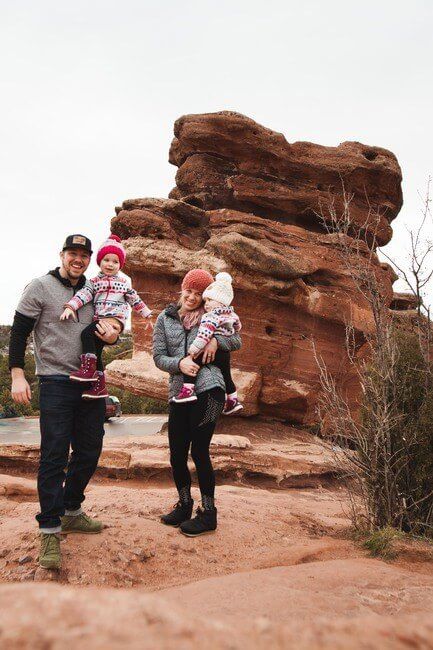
(226, 278)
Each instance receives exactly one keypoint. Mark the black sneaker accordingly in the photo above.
(205, 521)
(180, 513)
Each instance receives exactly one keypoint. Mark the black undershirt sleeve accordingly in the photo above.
(20, 332)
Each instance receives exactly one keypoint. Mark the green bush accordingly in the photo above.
(380, 543)
(401, 490)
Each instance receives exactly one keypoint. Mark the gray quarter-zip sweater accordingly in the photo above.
(170, 345)
(57, 344)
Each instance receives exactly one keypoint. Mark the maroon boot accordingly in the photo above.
(87, 370)
(98, 389)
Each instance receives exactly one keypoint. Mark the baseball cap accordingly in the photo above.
(78, 241)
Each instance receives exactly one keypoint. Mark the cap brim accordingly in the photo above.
(84, 248)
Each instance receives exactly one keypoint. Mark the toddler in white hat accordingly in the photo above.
(219, 318)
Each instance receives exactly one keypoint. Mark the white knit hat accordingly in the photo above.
(220, 290)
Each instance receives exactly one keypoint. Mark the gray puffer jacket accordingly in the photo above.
(170, 345)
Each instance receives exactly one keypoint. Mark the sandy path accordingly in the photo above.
(257, 529)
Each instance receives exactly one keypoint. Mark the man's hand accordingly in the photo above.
(210, 351)
(67, 313)
(20, 390)
(108, 331)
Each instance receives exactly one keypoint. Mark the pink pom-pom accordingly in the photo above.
(115, 237)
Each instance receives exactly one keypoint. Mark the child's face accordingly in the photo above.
(210, 304)
(110, 264)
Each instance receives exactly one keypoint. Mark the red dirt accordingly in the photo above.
(280, 572)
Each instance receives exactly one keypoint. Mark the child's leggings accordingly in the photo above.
(221, 361)
(92, 344)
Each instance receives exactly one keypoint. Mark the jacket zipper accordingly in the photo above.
(108, 291)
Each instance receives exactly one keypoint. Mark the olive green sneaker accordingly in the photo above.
(81, 523)
(50, 556)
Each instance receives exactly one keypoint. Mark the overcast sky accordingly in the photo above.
(90, 90)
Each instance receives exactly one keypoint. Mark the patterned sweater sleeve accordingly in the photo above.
(208, 324)
(132, 297)
(82, 297)
(161, 357)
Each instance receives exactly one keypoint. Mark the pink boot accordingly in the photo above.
(186, 394)
(98, 389)
(232, 405)
(87, 370)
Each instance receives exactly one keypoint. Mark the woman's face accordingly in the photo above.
(190, 299)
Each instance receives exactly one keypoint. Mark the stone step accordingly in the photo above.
(299, 460)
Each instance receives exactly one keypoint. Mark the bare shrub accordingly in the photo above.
(384, 446)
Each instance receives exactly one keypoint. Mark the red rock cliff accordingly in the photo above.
(246, 201)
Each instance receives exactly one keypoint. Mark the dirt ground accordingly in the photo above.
(281, 571)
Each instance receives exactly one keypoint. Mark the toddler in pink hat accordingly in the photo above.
(112, 297)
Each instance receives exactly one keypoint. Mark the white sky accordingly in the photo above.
(90, 90)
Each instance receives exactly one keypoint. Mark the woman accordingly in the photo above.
(191, 424)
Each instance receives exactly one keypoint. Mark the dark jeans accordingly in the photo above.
(66, 420)
(222, 361)
(191, 425)
(91, 343)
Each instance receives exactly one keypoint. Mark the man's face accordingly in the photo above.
(75, 262)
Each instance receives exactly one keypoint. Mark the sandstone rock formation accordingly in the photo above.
(250, 203)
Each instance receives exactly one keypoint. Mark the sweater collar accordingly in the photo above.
(104, 275)
(66, 282)
(172, 311)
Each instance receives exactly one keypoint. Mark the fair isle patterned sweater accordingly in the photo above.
(111, 296)
(221, 320)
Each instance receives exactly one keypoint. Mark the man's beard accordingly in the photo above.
(73, 277)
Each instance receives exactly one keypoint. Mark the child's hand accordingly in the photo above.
(148, 323)
(67, 313)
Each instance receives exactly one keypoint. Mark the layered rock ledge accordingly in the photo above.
(250, 203)
(248, 453)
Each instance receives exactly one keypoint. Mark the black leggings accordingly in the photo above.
(221, 361)
(91, 344)
(192, 425)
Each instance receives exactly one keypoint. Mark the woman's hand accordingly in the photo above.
(188, 367)
(210, 351)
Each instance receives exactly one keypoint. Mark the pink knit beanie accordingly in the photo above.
(112, 245)
(197, 279)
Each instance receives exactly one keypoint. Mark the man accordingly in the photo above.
(66, 420)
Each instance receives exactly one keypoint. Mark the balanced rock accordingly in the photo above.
(227, 159)
(250, 203)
